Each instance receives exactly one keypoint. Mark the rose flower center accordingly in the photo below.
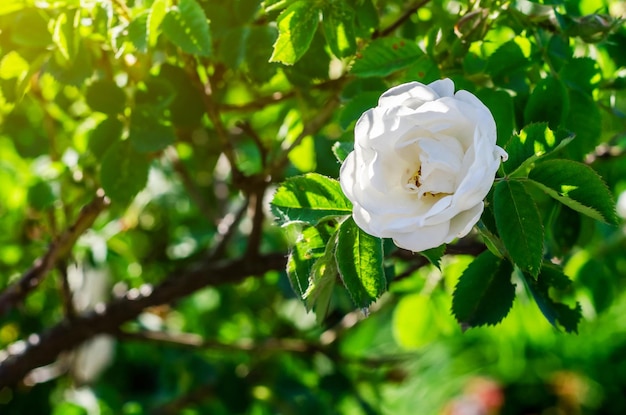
(438, 167)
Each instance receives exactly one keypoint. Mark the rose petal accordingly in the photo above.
(425, 238)
(412, 95)
(463, 223)
(443, 87)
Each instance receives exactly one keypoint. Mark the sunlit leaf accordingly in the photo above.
(310, 246)
(341, 149)
(577, 186)
(64, 34)
(155, 18)
(187, 27)
(508, 57)
(322, 280)
(338, 24)
(309, 199)
(296, 26)
(532, 143)
(10, 6)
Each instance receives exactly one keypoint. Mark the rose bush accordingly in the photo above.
(423, 161)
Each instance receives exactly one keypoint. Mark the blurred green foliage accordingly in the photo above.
(189, 113)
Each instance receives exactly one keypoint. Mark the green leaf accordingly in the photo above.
(532, 143)
(500, 103)
(356, 107)
(105, 96)
(310, 199)
(577, 186)
(424, 69)
(137, 32)
(30, 29)
(338, 25)
(321, 282)
(64, 33)
(559, 51)
(71, 72)
(366, 17)
(124, 172)
(108, 132)
(507, 58)
(360, 262)
(581, 74)
(16, 74)
(257, 53)
(484, 293)
(41, 196)
(585, 121)
(313, 65)
(433, 255)
(147, 133)
(188, 28)
(519, 225)
(13, 65)
(548, 102)
(296, 26)
(552, 277)
(384, 56)
(156, 93)
(187, 107)
(232, 47)
(341, 149)
(310, 245)
(155, 18)
(564, 231)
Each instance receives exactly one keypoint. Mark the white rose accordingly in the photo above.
(423, 161)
